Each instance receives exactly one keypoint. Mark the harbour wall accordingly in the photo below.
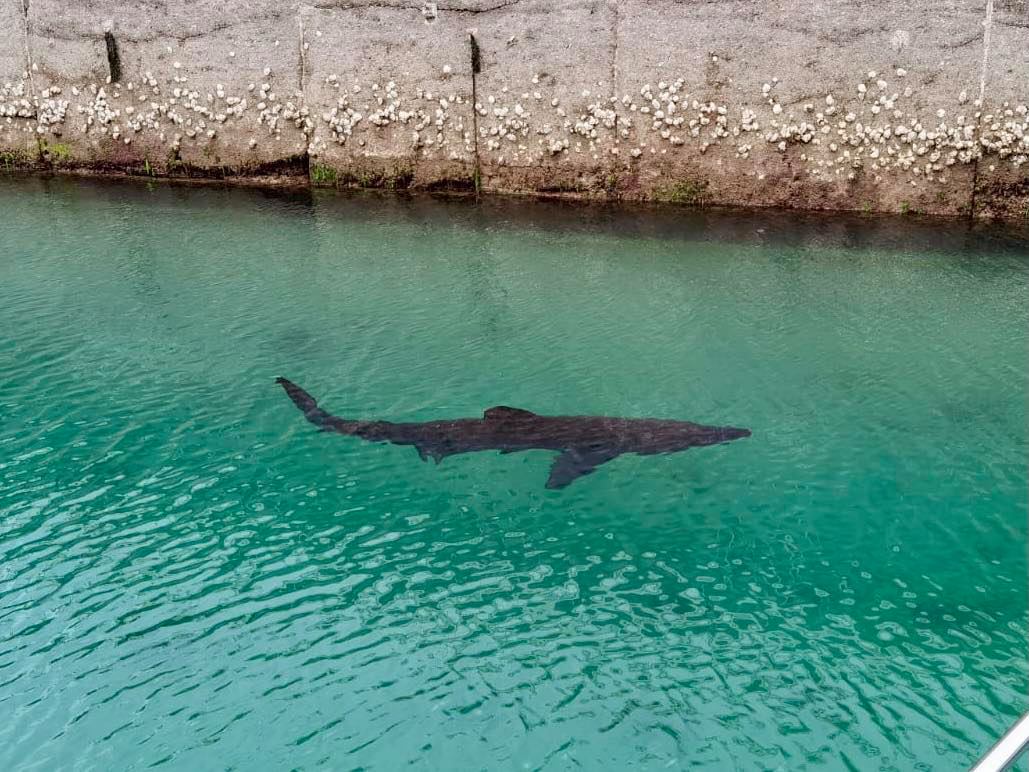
(844, 105)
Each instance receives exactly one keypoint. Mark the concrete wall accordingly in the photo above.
(853, 104)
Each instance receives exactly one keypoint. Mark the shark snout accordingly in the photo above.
(729, 433)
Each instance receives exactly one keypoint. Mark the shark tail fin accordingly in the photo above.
(307, 404)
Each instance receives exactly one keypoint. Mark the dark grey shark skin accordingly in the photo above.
(583, 442)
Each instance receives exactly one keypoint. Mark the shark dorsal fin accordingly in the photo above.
(502, 411)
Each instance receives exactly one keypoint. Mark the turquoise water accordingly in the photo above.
(195, 578)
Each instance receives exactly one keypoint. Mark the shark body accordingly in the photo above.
(582, 442)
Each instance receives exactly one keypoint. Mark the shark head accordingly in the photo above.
(713, 435)
(730, 433)
(673, 436)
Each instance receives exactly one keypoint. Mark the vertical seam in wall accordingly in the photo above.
(303, 53)
(987, 29)
(975, 182)
(614, 67)
(981, 103)
(301, 87)
(28, 48)
(29, 65)
(477, 169)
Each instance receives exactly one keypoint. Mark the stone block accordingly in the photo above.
(796, 104)
(1002, 182)
(17, 111)
(546, 118)
(184, 98)
(390, 97)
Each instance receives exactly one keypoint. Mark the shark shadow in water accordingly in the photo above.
(583, 442)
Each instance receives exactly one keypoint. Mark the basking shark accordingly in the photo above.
(583, 442)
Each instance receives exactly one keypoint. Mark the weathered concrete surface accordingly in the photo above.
(813, 138)
(1002, 188)
(843, 105)
(546, 121)
(204, 85)
(390, 95)
(17, 111)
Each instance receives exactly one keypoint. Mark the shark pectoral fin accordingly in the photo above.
(425, 452)
(576, 462)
